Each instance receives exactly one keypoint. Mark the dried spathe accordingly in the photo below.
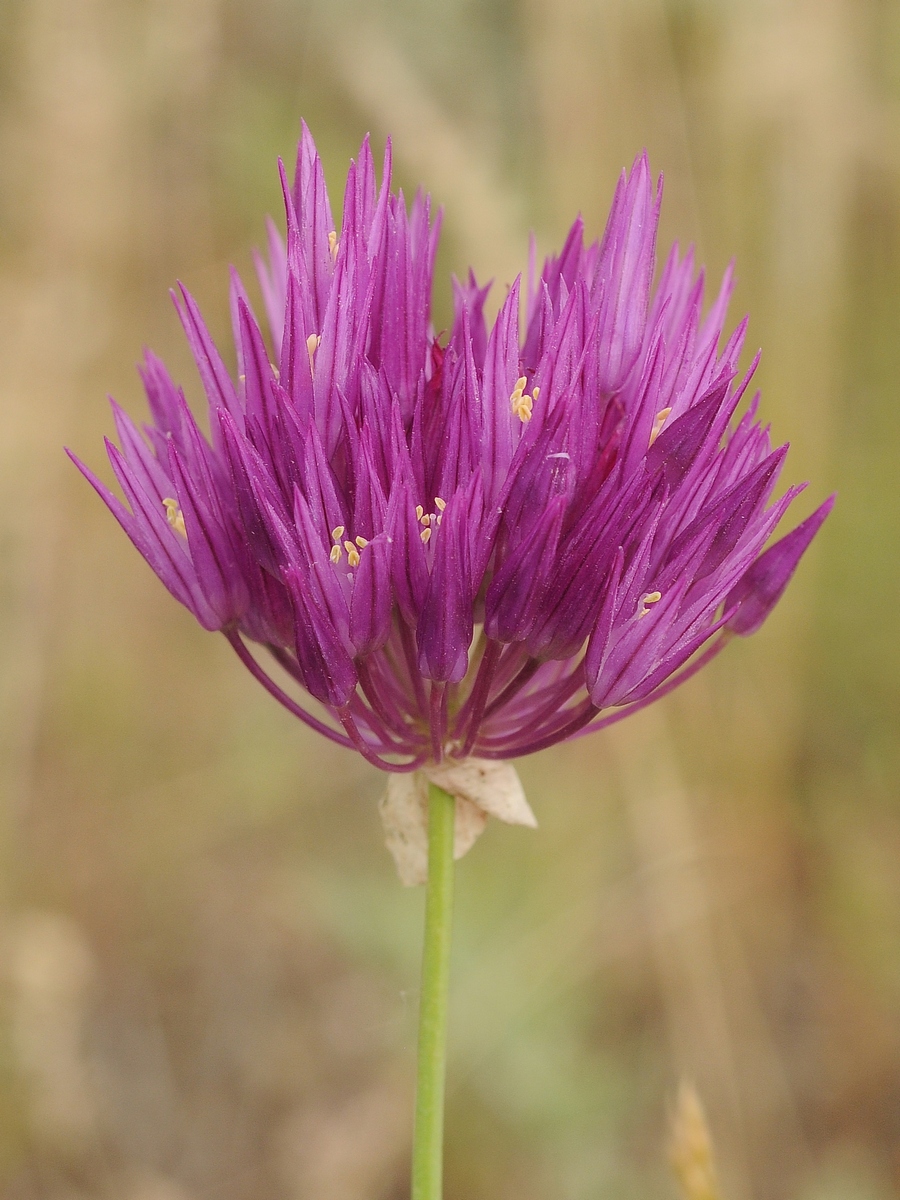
(481, 788)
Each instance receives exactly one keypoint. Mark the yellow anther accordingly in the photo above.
(337, 533)
(535, 392)
(521, 406)
(333, 243)
(312, 345)
(425, 519)
(174, 516)
(440, 504)
(519, 403)
(658, 421)
(352, 554)
(425, 535)
(419, 511)
(335, 554)
(348, 546)
(362, 542)
(647, 600)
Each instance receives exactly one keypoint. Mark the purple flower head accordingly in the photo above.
(480, 548)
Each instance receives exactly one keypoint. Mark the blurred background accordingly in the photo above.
(208, 970)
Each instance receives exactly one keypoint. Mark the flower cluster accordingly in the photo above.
(477, 548)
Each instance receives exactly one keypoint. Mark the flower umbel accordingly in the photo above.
(479, 548)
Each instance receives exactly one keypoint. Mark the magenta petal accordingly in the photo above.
(216, 380)
(327, 669)
(760, 589)
(445, 625)
(514, 599)
(370, 606)
(409, 571)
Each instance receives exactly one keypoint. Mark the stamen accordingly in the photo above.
(521, 404)
(174, 516)
(439, 504)
(419, 511)
(658, 422)
(646, 600)
(312, 345)
(425, 519)
(333, 243)
(425, 535)
(352, 552)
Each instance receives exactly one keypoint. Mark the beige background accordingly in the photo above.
(208, 971)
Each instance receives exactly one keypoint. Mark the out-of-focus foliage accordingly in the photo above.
(208, 969)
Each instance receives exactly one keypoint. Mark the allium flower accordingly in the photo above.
(476, 548)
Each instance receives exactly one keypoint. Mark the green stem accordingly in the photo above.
(428, 1138)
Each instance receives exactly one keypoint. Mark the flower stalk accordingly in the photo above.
(428, 1137)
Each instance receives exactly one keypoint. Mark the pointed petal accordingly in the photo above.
(371, 603)
(327, 669)
(761, 588)
(216, 380)
(514, 599)
(409, 572)
(445, 627)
